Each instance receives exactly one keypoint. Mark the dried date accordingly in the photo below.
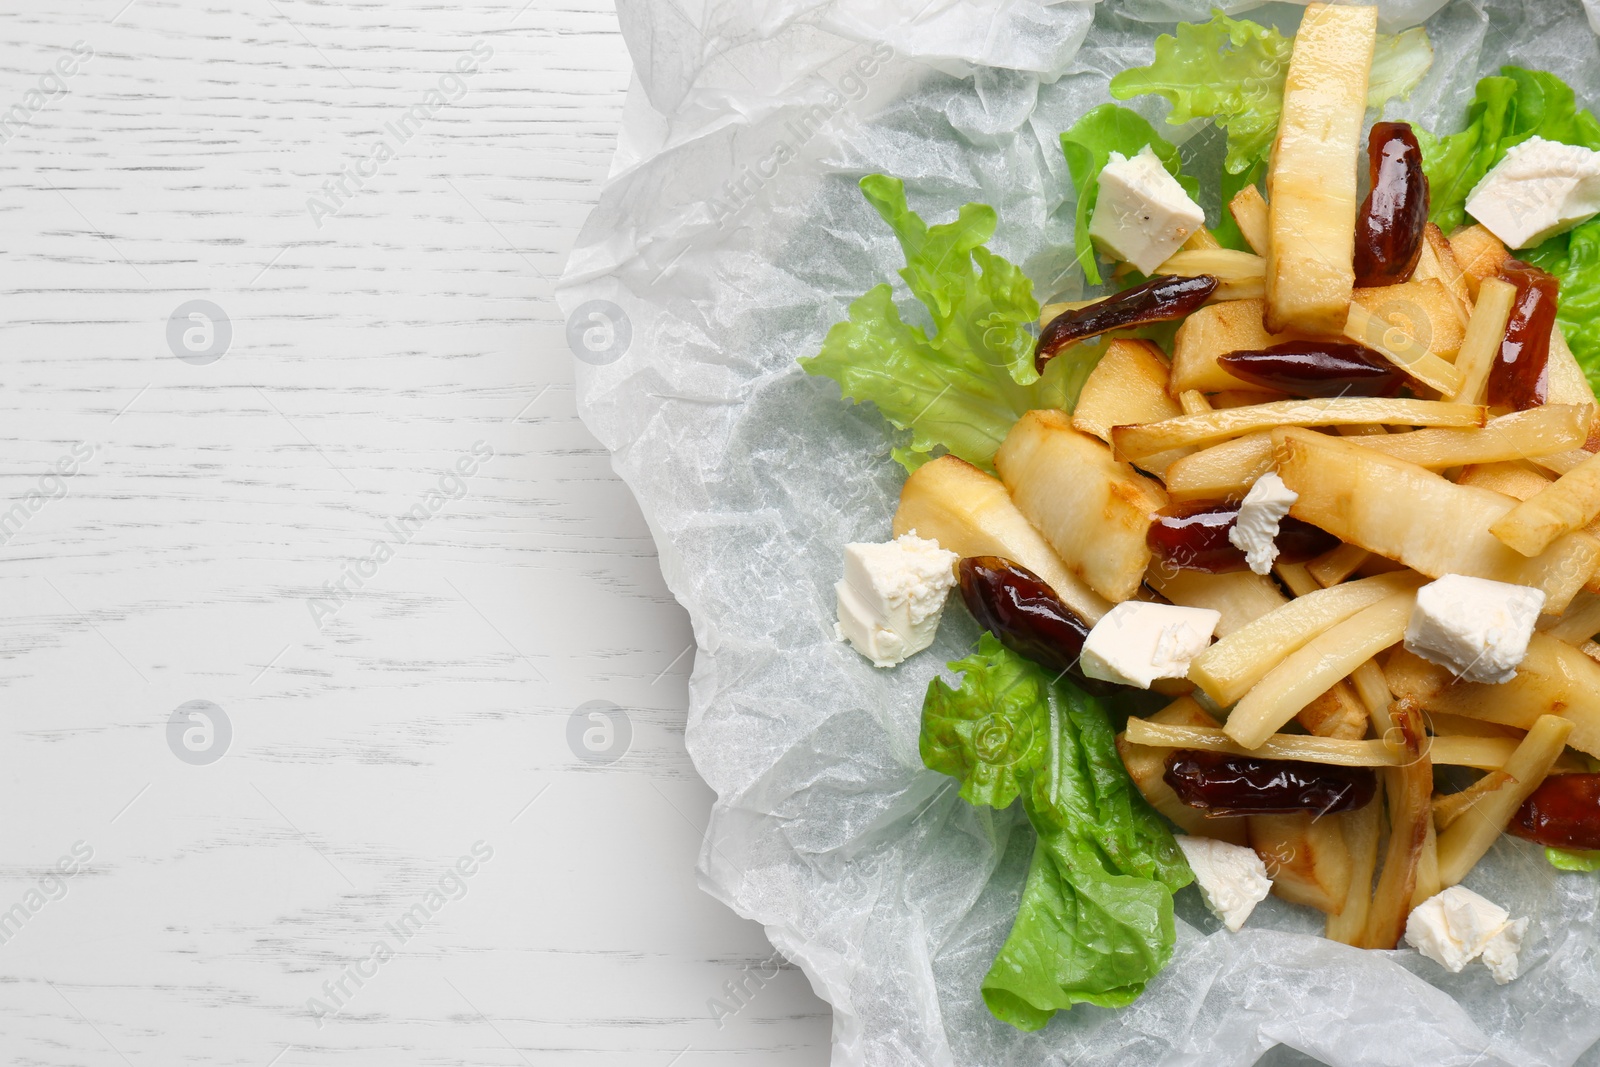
(1027, 616)
(1194, 537)
(1394, 217)
(1316, 369)
(1224, 784)
(1162, 299)
(1520, 377)
(1564, 812)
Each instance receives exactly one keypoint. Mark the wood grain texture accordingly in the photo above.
(376, 738)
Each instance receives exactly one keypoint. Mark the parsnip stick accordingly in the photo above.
(1472, 835)
(1312, 670)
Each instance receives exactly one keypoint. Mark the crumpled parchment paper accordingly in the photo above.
(729, 238)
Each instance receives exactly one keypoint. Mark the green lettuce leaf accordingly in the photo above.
(1228, 70)
(1095, 920)
(1578, 862)
(1508, 109)
(1088, 147)
(960, 387)
(1399, 63)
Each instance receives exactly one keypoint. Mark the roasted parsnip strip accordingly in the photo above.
(1427, 866)
(1477, 828)
(1306, 858)
(1438, 261)
(1193, 402)
(1404, 350)
(1449, 807)
(1230, 668)
(1580, 623)
(1363, 828)
(1554, 679)
(1241, 597)
(1568, 384)
(1480, 254)
(1338, 714)
(1221, 471)
(1137, 442)
(1129, 384)
(1485, 330)
(1482, 753)
(1311, 183)
(1373, 688)
(1563, 462)
(1338, 565)
(1312, 670)
(1249, 209)
(1539, 431)
(1409, 790)
(1094, 510)
(1570, 503)
(1418, 316)
(1412, 515)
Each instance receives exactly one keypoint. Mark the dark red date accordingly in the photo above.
(1317, 369)
(1194, 537)
(1223, 784)
(1520, 377)
(1016, 605)
(1161, 299)
(1389, 230)
(1564, 812)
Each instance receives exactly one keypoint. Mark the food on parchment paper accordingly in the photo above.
(1301, 508)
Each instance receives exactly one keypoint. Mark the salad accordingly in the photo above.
(1285, 546)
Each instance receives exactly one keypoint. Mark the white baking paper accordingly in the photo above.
(729, 238)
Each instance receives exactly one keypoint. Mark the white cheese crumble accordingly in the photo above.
(1232, 878)
(1458, 926)
(1477, 628)
(1136, 643)
(1500, 954)
(1142, 215)
(1256, 531)
(891, 597)
(1540, 189)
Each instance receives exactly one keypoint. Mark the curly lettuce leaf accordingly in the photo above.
(1399, 63)
(1228, 70)
(1578, 862)
(993, 732)
(1088, 147)
(1508, 109)
(960, 387)
(1094, 924)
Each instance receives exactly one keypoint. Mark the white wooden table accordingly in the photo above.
(386, 697)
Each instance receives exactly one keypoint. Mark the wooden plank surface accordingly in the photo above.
(398, 696)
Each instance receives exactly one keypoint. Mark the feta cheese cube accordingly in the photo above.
(1136, 643)
(1256, 531)
(892, 595)
(1500, 954)
(1232, 878)
(1457, 926)
(1142, 215)
(1540, 189)
(1477, 628)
